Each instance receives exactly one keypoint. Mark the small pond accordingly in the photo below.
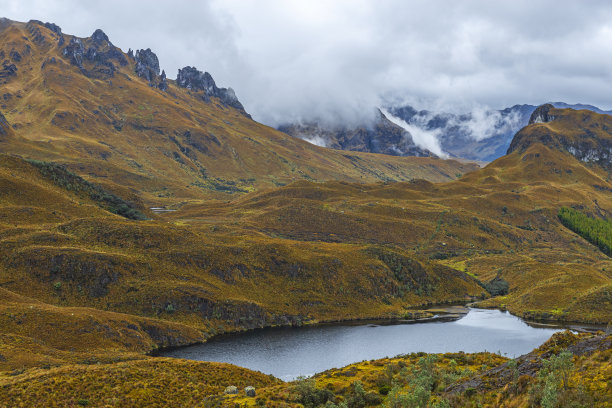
(291, 352)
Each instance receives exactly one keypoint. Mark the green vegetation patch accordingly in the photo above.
(64, 178)
(595, 230)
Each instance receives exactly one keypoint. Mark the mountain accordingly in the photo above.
(381, 136)
(482, 135)
(583, 134)
(114, 118)
(252, 227)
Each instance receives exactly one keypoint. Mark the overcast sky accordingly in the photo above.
(288, 60)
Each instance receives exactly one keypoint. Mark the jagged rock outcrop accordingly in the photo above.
(196, 80)
(74, 51)
(542, 114)
(99, 37)
(97, 52)
(35, 33)
(380, 136)
(7, 70)
(53, 27)
(163, 82)
(147, 65)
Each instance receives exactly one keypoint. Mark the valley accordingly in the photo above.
(265, 230)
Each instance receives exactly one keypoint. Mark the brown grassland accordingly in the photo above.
(267, 230)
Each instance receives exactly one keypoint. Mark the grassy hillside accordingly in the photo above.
(266, 230)
(166, 145)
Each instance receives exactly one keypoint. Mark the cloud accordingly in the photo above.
(315, 140)
(423, 138)
(291, 60)
(484, 123)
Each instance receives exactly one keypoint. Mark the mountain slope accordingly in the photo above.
(111, 117)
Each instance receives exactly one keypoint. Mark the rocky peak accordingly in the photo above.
(54, 27)
(100, 54)
(196, 80)
(542, 114)
(99, 38)
(147, 65)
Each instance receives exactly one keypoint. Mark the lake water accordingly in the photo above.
(303, 351)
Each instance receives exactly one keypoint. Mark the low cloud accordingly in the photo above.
(423, 138)
(484, 123)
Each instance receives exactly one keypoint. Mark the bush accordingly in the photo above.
(309, 395)
(497, 287)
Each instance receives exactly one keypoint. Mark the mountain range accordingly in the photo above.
(482, 135)
(139, 212)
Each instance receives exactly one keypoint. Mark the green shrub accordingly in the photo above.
(64, 178)
(497, 286)
(309, 395)
(595, 230)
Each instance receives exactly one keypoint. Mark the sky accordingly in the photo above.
(291, 60)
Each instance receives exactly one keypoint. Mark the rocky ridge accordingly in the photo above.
(196, 80)
(97, 57)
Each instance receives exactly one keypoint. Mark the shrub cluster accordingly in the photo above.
(64, 178)
(595, 230)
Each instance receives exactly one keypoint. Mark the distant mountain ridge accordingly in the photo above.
(482, 135)
(382, 136)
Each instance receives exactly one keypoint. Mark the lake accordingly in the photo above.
(303, 351)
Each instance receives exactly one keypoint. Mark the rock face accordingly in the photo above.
(147, 67)
(195, 80)
(147, 64)
(7, 70)
(95, 56)
(382, 136)
(542, 114)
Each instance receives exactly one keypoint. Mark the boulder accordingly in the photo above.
(249, 391)
(231, 390)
